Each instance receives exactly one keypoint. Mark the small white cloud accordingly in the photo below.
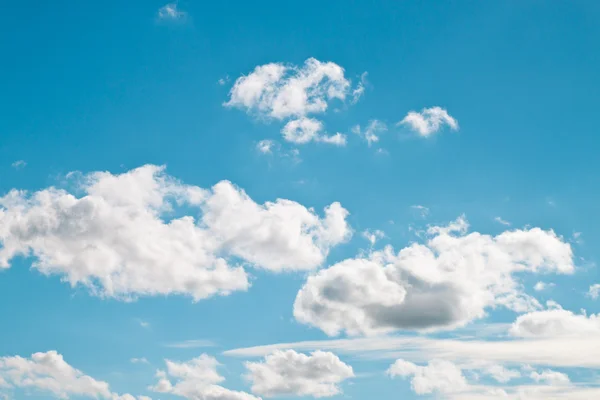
(594, 291)
(192, 344)
(371, 132)
(360, 88)
(337, 140)
(288, 373)
(301, 131)
(555, 322)
(541, 286)
(141, 360)
(421, 210)
(19, 164)
(224, 80)
(373, 236)
(502, 221)
(170, 12)
(501, 374)
(144, 324)
(265, 146)
(429, 121)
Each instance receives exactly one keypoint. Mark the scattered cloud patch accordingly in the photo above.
(371, 132)
(541, 286)
(197, 379)
(224, 80)
(170, 12)
(192, 344)
(19, 164)
(550, 377)
(421, 210)
(438, 376)
(288, 373)
(373, 236)
(122, 239)
(555, 322)
(594, 291)
(359, 90)
(141, 360)
(429, 121)
(49, 373)
(265, 146)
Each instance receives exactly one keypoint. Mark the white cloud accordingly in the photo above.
(373, 236)
(286, 91)
(338, 139)
(287, 373)
(19, 164)
(49, 373)
(123, 238)
(301, 131)
(447, 282)
(555, 323)
(422, 210)
(141, 360)
(501, 221)
(541, 286)
(594, 291)
(224, 80)
(551, 377)
(500, 373)
(170, 12)
(359, 90)
(190, 344)
(429, 121)
(196, 379)
(265, 146)
(437, 376)
(371, 132)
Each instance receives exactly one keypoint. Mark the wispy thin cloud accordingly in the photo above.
(141, 360)
(421, 210)
(171, 12)
(502, 221)
(20, 164)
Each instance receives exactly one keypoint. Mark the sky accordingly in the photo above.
(343, 199)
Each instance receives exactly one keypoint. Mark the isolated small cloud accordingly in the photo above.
(373, 236)
(359, 90)
(20, 164)
(438, 376)
(371, 132)
(141, 360)
(594, 291)
(501, 221)
(541, 286)
(171, 12)
(421, 210)
(429, 121)
(265, 146)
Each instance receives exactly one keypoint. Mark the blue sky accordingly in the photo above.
(482, 112)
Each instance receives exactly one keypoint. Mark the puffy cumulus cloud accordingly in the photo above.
(555, 322)
(444, 283)
(125, 236)
(50, 374)
(287, 373)
(302, 130)
(437, 376)
(288, 92)
(283, 91)
(429, 121)
(196, 379)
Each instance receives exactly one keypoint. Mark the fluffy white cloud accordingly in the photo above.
(283, 91)
(287, 373)
(555, 323)
(429, 121)
(124, 237)
(541, 286)
(170, 12)
(265, 146)
(196, 379)
(302, 130)
(594, 291)
(437, 376)
(292, 93)
(49, 373)
(450, 280)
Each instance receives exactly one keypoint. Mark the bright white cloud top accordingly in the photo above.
(429, 121)
(125, 235)
(452, 279)
(196, 379)
(288, 373)
(49, 374)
